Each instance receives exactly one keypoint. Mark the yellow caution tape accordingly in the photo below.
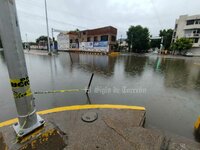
(17, 83)
(197, 123)
(60, 91)
(20, 95)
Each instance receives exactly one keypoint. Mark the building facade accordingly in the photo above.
(67, 40)
(100, 39)
(189, 27)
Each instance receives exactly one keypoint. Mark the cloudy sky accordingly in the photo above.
(86, 14)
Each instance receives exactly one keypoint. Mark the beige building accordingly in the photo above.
(189, 27)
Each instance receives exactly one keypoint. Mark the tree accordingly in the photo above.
(138, 39)
(77, 30)
(167, 37)
(42, 38)
(182, 45)
(155, 43)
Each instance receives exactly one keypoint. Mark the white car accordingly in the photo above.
(188, 54)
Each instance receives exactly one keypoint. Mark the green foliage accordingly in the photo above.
(116, 47)
(138, 39)
(42, 38)
(167, 37)
(155, 43)
(182, 44)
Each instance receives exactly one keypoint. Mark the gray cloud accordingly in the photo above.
(83, 14)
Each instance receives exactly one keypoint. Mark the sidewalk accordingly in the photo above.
(116, 127)
(36, 52)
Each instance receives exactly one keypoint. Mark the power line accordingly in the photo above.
(156, 13)
(64, 11)
(53, 20)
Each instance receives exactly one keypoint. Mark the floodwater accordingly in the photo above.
(169, 87)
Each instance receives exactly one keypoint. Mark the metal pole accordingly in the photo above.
(14, 56)
(26, 38)
(52, 37)
(88, 88)
(26, 41)
(48, 44)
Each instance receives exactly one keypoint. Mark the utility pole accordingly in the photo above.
(26, 38)
(48, 42)
(28, 120)
(26, 41)
(121, 43)
(52, 30)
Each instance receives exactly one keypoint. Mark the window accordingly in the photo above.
(176, 26)
(113, 38)
(196, 32)
(196, 40)
(88, 39)
(70, 40)
(197, 21)
(104, 38)
(174, 34)
(95, 39)
(190, 22)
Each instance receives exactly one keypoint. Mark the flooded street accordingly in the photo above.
(169, 87)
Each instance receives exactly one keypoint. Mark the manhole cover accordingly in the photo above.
(89, 116)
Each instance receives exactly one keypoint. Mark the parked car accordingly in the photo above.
(188, 54)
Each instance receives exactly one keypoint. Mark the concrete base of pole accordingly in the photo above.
(23, 132)
(44, 138)
(3, 146)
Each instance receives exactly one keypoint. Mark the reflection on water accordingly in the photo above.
(98, 64)
(172, 97)
(179, 73)
(135, 65)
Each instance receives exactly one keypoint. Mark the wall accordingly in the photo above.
(63, 42)
(195, 51)
(94, 46)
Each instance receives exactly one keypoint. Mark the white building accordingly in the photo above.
(67, 40)
(189, 27)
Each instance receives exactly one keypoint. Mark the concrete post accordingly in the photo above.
(14, 56)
